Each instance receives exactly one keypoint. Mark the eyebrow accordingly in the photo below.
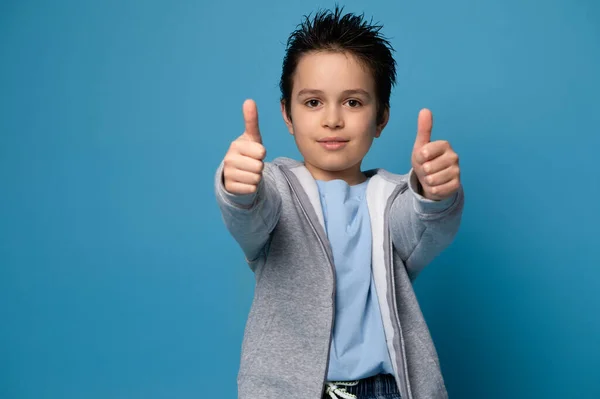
(345, 92)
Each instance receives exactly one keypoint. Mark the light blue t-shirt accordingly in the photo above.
(358, 347)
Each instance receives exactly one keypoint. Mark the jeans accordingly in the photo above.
(382, 386)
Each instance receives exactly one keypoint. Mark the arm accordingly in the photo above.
(425, 219)
(245, 189)
(422, 228)
(250, 218)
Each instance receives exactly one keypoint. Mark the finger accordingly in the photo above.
(240, 188)
(442, 162)
(424, 126)
(242, 176)
(431, 151)
(251, 149)
(442, 177)
(251, 121)
(247, 164)
(443, 191)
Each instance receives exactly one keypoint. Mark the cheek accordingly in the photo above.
(304, 126)
(301, 135)
(367, 130)
(362, 121)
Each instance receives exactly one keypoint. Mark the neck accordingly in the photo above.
(352, 175)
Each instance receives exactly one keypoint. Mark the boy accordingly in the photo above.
(334, 249)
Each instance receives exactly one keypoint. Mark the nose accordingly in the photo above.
(332, 117)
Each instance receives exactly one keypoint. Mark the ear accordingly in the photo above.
(286, 119)
(383, 122)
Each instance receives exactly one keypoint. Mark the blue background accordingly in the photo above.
(117, 276)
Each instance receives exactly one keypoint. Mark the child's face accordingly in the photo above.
(334, 109)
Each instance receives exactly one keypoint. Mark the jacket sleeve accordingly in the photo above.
(422, 228)
(250, 218)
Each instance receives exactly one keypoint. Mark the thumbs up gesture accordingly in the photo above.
(435, 163)
(243, 163)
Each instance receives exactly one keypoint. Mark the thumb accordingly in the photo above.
(424, 126)
(251, 121)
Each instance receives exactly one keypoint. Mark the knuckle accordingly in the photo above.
(262, 152)
(234, 148)
(230, 160)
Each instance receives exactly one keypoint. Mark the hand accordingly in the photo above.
(435, 163)
(243, 163)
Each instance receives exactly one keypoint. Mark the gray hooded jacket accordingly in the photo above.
(285, 350)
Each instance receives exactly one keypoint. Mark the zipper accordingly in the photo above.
(331, 264)
(397, 316)
(390, 263)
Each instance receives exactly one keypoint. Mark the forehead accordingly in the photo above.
(332, 72)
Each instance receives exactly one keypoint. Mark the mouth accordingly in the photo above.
(333, 143)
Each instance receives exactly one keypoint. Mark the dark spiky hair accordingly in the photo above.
(349, 33)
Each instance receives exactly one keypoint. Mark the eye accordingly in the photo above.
(353, 103)
(312, 103)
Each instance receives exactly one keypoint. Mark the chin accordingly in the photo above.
(334, 166)
(333, 161)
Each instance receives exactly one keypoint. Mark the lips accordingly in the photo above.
(333, 143)
(333, 140)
